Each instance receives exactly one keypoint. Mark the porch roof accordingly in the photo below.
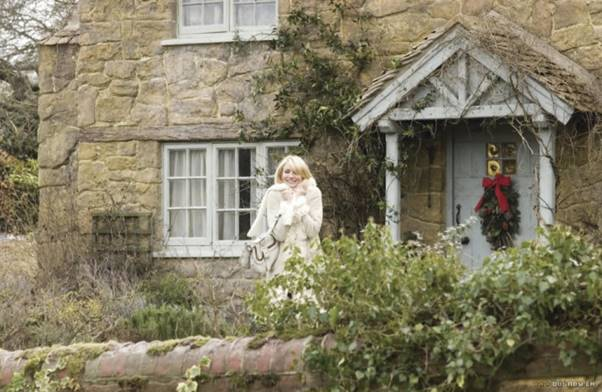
(520, 52)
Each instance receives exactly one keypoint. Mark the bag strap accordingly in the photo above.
(271, 229)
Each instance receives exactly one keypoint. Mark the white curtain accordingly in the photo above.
(254, 12)
(177, 223)
(198, 193)
(198, 223)
(197, 163)
(226, 193)
(203, 12)
(177, 163)
(197, 219)
(265, 13)
(177, 193)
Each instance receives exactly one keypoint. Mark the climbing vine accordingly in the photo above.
(316, 79)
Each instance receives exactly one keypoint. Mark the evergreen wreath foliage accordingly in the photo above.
(499, 228)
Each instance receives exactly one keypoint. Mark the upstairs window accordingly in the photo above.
(226, 16)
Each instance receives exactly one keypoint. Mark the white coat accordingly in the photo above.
(299, 223)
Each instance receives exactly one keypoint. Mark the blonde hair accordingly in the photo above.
(297, 164)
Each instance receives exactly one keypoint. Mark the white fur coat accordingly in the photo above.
(299, 223)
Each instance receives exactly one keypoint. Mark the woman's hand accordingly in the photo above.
(301, 189)
(288, 194)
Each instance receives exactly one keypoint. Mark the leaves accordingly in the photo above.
(408, 317)
(317, 82)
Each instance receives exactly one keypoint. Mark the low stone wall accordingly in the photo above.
(160, 366)
(238, 364)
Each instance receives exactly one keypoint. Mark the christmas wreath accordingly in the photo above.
(498, 211)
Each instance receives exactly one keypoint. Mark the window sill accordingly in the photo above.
(203, 251)
(211, 38)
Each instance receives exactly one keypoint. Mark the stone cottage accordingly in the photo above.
(139, 105)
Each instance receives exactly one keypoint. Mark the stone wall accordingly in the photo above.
(161, 366)
(108, 103)
(231, 365)
(423, 188)
(574, 27)
(57, 137)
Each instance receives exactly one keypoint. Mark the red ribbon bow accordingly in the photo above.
(498, 182)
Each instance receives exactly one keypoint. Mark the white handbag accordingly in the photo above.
(261, 253)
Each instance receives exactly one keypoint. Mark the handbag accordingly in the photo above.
(261, 253)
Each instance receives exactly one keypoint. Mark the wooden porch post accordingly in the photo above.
(547, 179)
(392, 183)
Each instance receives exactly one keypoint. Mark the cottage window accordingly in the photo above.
(222, 20)
(211, 193)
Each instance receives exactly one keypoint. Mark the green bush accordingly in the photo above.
(409, 317)
(170, 289)
(166, 322)
(18, 194)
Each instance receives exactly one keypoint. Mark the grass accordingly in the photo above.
(41, 306)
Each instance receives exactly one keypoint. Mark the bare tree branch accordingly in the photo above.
(23, 23)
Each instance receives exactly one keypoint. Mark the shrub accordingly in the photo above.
(409, 317)
(18, 194)
(170, 289)
(165, 322)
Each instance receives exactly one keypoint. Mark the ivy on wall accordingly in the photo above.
(317, 82)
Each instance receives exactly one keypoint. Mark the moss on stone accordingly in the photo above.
(35, 359)
(73, 359)
(161, 348)
(200, 342)
(260, 339)
(76, 356)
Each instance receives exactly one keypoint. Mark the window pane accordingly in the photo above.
(193, 15)
(226, 164)
(177, 223)
(246, 162)
(214, 14)
(198, 223)
(177, 163)
(244, 14)
(198, 193)
(226, 225)
(197, 163)
(226, 194)
(177, 193)
(247, 193)
(203, 12)
(244, 224)
(266, 14)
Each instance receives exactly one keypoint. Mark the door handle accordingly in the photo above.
(458, 209)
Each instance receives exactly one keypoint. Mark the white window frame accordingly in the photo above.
(227, 32)
(189, 247)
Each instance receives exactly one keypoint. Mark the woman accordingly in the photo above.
(294, 205)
